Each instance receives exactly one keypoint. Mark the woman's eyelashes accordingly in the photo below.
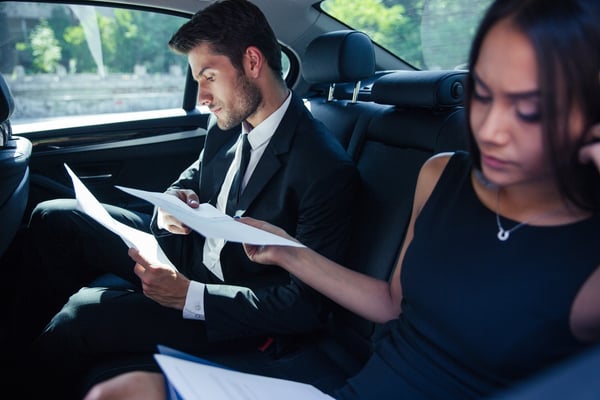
(526, 109)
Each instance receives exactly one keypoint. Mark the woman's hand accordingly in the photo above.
(269, 254)
(591, 152)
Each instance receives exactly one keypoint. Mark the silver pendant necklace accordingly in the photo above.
(504, 234)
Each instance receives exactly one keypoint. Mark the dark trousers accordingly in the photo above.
(90, 333)
(104, 331)
(65, 250)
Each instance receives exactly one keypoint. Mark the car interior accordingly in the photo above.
(389, 116)
(403, 119)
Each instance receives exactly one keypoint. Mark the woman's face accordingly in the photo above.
(505, 108)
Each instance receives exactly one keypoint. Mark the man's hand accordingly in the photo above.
(170, 223)
(159, 282)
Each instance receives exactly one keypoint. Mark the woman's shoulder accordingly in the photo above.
(432, 170)
(436, 164)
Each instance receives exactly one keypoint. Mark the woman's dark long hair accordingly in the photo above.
(565, 36)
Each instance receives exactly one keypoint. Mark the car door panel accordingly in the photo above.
(148, 161)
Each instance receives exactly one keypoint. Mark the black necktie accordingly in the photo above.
(236, 186)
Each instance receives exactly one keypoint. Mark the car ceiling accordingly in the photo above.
(294, 32)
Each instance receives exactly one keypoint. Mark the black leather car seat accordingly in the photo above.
(15, 152)
(332, 63)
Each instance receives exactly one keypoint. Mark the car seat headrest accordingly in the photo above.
(338, 57)
(427, 89)
(7, 103)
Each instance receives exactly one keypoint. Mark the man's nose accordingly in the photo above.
(204, 97)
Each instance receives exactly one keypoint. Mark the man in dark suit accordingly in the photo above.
(298, 177)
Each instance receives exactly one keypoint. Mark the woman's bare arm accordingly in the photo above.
(374, 299)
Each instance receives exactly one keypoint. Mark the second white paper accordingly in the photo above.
(209, 221)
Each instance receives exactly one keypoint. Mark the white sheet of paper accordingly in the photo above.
(196, 381)
(143, 241)
(209, 221)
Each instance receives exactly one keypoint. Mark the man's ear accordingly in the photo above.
(253, 62)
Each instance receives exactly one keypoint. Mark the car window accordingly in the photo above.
(427, 34)
(63, 60)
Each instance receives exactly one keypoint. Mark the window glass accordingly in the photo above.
(75, 60)
(64, 60)
(427, 34)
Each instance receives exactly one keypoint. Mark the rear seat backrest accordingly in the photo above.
(420, 113)
(333, 58)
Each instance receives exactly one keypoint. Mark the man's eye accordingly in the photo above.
(209, 78)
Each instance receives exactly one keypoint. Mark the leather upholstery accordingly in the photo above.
(340, 56)
(428, 89)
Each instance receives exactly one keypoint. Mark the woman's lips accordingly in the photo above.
(493, 162)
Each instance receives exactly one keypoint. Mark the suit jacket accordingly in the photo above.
(305, 183)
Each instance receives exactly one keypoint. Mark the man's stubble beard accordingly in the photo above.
(246, 104)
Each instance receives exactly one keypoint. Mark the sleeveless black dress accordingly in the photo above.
(478, 314)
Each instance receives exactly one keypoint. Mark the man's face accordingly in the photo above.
(226, 91)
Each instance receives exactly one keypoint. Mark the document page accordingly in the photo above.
(197, 381)
(145, 242)
(209, 221)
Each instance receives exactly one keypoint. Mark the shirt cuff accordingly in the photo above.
(194, 301)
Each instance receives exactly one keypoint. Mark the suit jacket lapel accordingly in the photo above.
(270, 163)
(214, 167)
